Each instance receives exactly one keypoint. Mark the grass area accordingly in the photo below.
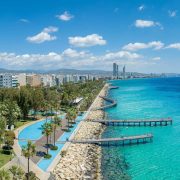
(4, 158)
(22, 122)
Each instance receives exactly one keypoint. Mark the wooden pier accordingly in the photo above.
(148, 122)
(126, 140)
(113, 87)
(113, 103)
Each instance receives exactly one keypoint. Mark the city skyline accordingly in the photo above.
(49, 36)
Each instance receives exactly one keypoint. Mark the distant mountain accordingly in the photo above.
(59, 71)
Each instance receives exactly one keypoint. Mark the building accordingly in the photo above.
(47, 80)
(8, 80)
(21, 78)
(124, 72)
(33, 80)
(115, 70)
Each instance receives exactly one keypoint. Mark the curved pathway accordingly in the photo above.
(22, 160)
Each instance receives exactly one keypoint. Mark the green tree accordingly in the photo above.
(29, 151)
(11, 112)
(37, 100)
(25, 101)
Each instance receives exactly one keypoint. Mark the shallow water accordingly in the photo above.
(143, 99)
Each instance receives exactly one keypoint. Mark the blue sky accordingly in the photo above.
(90, 34)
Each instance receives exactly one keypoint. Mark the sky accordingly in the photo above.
(90, 34)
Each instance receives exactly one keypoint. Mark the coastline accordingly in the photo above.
(83, 161)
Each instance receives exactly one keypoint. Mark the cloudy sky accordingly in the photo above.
(90, 34)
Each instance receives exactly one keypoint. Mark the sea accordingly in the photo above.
(144, 99)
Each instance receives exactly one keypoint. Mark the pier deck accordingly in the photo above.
(148, 122)
(126, 140)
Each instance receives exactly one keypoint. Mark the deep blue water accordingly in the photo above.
(143, 99)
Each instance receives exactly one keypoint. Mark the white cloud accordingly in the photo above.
(146, 23)
(121, 54)
(69, 58)
(87, 41)
(138, 46)
(174, 46)
(66, 16)
(24, 20)
(172, 13)
(141, 8)
(43, 36)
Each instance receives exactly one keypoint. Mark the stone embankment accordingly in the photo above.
(83, 161)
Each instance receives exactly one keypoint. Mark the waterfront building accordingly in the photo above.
(115, 71)
(124, 72)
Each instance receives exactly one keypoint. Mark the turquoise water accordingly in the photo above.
(34, 132)
(143, 99)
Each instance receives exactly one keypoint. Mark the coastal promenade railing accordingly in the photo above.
(148, 122)
(126, 140)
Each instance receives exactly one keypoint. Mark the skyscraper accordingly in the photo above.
(124, 72)
(115, 70)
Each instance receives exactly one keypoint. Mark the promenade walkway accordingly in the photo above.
(23, 161)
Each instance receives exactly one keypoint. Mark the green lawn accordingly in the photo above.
(4, 159)
(21, 123)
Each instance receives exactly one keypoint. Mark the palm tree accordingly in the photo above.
(47, 130)
(17, 173)
(56, 122)
(4, 175)
(29, 151)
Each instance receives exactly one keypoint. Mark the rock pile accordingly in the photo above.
(83, 161)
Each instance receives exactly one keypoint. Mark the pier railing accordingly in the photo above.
(124, 140)
(148, 122)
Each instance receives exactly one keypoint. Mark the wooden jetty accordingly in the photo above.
(126, 140)
(113, 87)
(113, 103)
(148, 122)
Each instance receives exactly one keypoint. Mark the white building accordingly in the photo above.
(47, 80)
(8, 80)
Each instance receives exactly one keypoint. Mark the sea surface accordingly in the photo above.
(144, 99)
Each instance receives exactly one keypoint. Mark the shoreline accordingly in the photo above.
(83, 161)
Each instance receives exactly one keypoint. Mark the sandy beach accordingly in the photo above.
(83, 161)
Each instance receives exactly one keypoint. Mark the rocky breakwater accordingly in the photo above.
(83, 161)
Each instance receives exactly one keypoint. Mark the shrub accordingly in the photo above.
(32, 175)
(10, 134)
(54, 148)
(63, 153)
(47, 156)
